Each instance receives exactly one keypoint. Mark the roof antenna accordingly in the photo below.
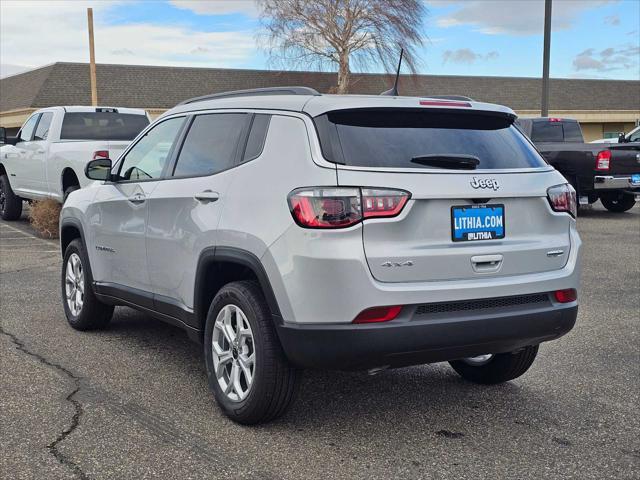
(393, 92)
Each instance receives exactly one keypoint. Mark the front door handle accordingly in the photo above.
(138, 198)
(207, 196)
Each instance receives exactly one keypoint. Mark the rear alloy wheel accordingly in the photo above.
(498, 368)
(10, 203)
(618, 202)
(248, 372)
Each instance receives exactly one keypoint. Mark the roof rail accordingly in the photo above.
(255, 92)
(452, 97)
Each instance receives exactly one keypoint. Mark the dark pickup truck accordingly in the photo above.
(606, 171)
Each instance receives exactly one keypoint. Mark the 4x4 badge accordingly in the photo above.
(485, 183)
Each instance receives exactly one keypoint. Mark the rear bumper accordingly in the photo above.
(409, 341)
(617, 182)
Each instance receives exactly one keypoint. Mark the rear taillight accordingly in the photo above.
(101, 154)
(562, 198)
(336, 207)
(378, 314)
(567, 295)
(603, 161)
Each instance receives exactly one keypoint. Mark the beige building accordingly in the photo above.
(604, 108)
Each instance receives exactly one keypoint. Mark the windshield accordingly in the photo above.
(102, 126)
(393, 137)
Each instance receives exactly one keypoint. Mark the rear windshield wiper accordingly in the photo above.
(451, 161)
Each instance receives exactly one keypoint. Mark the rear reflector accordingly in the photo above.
(603, 161)
(378, 314)
(444, 103)
(567, 295)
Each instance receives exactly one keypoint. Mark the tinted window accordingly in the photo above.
(572, 132)
(257, 136)
(27, 129)
(148, 157)
(634, 137)
(211, 144)
(102, 126)
(42, 131)
(393, 137)
(547, 132)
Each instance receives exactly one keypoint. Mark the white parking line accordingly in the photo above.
(17, 230)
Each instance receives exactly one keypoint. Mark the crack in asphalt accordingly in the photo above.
(78, 410)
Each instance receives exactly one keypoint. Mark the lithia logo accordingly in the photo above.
(485, 183)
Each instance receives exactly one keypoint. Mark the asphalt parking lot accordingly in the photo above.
(132, 402)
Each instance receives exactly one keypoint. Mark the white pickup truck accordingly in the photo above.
(48, 156)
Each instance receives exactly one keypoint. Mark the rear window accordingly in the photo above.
(393, 137)
(102, 126)
(551, 131)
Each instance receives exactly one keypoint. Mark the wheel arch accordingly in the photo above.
(67, 177)
(218, 266)
(70, 229)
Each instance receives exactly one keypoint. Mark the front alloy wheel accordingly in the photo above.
(74, 284)
(233, 353)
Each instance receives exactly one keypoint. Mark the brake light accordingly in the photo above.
(336, 207)
(378, 314)
(444, 103)
(101, 154)
(567, 295)
(555, 119)
(603, 161)
(562, 198)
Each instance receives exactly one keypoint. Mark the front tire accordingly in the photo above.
(10, 203)
(618, 202)
(498, 368)
(247, 370)
(83, 310)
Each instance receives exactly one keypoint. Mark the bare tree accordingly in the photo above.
(362, 33)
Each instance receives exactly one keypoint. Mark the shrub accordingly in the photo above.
(44, 216)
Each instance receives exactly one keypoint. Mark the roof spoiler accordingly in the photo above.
(252, 92)
(452, 97)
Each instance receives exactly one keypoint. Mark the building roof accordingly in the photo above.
(163, 87)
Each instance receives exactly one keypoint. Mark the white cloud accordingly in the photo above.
(612, 20)
(218, 7)
(467, 56)
(38, 33)
(624, 57)
(514, 17)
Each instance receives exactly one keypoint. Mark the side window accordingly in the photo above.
(27, 129)
(148, 156)
(43, 126)
(211, 144)
(257, 136)
(634, 137)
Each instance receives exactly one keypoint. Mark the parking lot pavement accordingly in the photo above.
(133, 401)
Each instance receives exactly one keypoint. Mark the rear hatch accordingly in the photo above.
(492, 220)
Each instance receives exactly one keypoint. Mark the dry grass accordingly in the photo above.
(44, 216)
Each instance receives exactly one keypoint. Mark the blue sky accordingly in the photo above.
(591, 38)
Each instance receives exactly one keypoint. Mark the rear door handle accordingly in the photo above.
(207, 196)
(137, 198)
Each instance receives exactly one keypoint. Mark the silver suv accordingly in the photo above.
(284, 229)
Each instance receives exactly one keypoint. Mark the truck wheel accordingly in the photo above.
(247, 370)
(618, 201)
(10, 203)
(67, 191)
(83, 310)
(498, 368)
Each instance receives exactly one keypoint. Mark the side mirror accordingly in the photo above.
(622, 138)
(98, 169)
(3, 135)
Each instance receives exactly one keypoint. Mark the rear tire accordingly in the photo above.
(267, 392)
(618, 202)
(67, 191)
(82, 308)
(501, 368)
(10, 203)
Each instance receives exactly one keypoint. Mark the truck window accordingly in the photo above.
(547, 132)
(26, 132)
(42, 131)
(572, 132)
(102, 126)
